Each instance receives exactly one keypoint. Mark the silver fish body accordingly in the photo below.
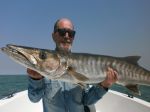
(79, 67)
(94, 67)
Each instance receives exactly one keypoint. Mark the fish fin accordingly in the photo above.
(78, 76)
(133, 88)
(82, 85)
(132, 59)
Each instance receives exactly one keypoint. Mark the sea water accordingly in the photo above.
(10, 84)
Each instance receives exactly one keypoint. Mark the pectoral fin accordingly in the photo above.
(82, 85)
(76, 75)
(134, 88)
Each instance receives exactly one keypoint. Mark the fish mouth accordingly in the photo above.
(17, 54)
(11, 49)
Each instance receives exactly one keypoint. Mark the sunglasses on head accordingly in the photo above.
(62, 32)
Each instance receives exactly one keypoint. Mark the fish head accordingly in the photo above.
(41, 60)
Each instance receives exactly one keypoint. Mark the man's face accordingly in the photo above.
(64, 35)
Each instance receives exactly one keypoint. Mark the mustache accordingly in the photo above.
(69, 41)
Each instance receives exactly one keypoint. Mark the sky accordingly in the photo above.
(108, 27)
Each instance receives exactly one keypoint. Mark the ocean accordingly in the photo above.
(10, 84)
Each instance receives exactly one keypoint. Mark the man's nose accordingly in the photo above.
(67, 35)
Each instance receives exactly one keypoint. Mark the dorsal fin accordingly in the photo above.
(132, 59)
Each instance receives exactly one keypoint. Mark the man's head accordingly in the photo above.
(63, 34)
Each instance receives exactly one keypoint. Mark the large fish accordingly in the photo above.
(80, 68)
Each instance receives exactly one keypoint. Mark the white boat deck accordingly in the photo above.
(20, 103)
(111, 102)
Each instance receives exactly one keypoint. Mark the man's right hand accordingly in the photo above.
(34, 75)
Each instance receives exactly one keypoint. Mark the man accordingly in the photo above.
(58, 96)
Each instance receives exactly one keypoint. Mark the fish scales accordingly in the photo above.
(94, 66)
(100, 64)
(87, 64)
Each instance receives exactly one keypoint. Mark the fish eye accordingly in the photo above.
(42, 55)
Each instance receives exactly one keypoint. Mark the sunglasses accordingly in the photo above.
(62, 32)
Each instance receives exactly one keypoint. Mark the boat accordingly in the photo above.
(113, 101)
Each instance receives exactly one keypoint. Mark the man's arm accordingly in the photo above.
(98, 91)
(35, 86)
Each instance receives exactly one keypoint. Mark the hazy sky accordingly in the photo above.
(108, 27)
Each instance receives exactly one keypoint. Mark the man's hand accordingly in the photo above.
(111, 78)
(34, 75)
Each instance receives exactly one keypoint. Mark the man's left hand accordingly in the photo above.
(111, 78)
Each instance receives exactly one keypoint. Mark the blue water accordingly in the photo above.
(14, 83)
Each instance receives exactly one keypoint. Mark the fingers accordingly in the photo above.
(115, 75)
(111, 78)
(33, 74)
(112, 74)
(29, 71)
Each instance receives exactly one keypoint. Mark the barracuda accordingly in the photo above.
(80, 68)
